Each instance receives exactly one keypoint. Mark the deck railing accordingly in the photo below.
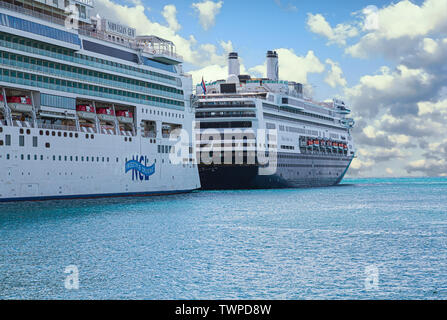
(32, 13)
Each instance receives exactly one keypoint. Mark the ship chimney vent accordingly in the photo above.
(272, 66)
(233, 64)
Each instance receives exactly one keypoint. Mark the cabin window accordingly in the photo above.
(21, 141)
(34, 141)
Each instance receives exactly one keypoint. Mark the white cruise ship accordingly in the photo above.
(263, 133)
(87, 107)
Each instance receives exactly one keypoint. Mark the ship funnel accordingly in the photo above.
(233, 64)
(272, 66)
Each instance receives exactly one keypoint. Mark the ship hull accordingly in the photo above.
(303, 171)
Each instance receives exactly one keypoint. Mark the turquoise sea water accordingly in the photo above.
(263, 244)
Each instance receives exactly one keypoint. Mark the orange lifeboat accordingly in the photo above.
(85, 111)
(335, 145)
(124, 116)
(310, 143)
(20, 104)
(106, 114)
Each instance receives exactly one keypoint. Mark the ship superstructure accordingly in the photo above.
(87, 106)
(241, 121)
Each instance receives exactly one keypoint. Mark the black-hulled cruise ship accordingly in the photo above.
(263, 133)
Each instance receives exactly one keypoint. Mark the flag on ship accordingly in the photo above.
(203, 86)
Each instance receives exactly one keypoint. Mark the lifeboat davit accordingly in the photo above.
(106, 114)
(85, 111)
(124, 116)
(20, 104)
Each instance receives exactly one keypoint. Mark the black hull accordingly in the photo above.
(299, 172)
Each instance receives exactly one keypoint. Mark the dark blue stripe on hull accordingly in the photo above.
(93, 196)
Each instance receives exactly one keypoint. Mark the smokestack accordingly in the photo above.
(233, 64)
(272, 66)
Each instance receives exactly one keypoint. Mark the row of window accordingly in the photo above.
(296, 111)
(40, 29)
(63, 158)
(164, 149)
(307, 114)
(33, 80)
(44, 49)
(66, 158)
(77, 73)
(298, 156)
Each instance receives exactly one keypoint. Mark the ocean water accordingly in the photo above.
(364, 239)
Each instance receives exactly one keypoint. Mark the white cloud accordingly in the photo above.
(431, 167)
(335, 75)
(403, 21)
(389, 171)
(212, 73)
(170, 14)
(360, 167)
(399, 90)
(293, 67)
(134, 16)
(207, 10)
(428, 107)
(338, 35)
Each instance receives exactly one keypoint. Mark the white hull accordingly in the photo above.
(48, 177)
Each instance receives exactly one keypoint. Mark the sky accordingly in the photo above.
(385, 59)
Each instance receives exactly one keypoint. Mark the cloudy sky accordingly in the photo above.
(388, 60)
